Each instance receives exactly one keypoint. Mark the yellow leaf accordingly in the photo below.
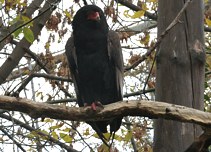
(138, 14)
(126, 13)
(208, 21)
(86, 133)
(153, 1)
(208, 60)
(144, 6)
(67, 14)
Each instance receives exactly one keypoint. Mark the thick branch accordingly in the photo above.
(133, 108)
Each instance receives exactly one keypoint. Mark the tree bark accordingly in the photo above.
(142, 108)
(180, 71)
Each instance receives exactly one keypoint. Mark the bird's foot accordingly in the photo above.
(95, 104)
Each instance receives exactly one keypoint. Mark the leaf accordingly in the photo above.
(86, 133)
(138, 14)
(144, 6)
(153, 1)
(1, 1)
(66, 137)
(17, 32)
(54, 135)
(208, 21)
(55, 127)
(48, 120)
(117, 137)
(67, 14)
(126, 13)
(26, 19)
(128, 136)
(66, 130)
(28, 34)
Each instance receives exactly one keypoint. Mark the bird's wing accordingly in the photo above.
(115, 55)
(72, 59)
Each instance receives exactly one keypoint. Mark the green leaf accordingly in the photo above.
(55, 127)
(66, 130)
(128, 136)
(66, 137)
(26, 19)
(28, 34)
(17, 32)
(54, 135)
(48, 120)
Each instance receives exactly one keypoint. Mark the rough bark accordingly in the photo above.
(180, 71)
(144, 108)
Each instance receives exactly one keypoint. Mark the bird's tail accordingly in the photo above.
(115, 124)
(100, 127)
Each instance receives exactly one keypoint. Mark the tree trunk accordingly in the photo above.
(180, 71)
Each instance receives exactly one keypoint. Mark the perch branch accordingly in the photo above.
(132, 108)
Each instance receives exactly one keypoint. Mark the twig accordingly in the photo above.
(12, 138)
(25, 24)
(26, 126)
(132, 138)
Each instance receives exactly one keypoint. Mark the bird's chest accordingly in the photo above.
(92, 54)
(93, 61)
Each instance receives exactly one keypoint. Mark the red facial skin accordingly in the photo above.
(93, 16)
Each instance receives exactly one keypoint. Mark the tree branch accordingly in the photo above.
(28, 127)
(136, 8)
(12, 138)
(132, 108)
(160, 38)
(23, 45)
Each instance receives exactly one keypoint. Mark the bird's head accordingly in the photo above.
(89, 15)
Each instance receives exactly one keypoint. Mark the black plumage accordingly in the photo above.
(96, 64)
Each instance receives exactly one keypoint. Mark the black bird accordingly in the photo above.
(96, 64)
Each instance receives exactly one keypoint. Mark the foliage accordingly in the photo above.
(48, 50)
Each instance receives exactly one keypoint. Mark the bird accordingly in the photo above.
(96, 64)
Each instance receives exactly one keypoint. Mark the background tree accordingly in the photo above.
(32, 39)
(180, 71)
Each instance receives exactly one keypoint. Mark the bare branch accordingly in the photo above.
(132, 108)
(28, 127)
(23, 45)
(12, 138)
